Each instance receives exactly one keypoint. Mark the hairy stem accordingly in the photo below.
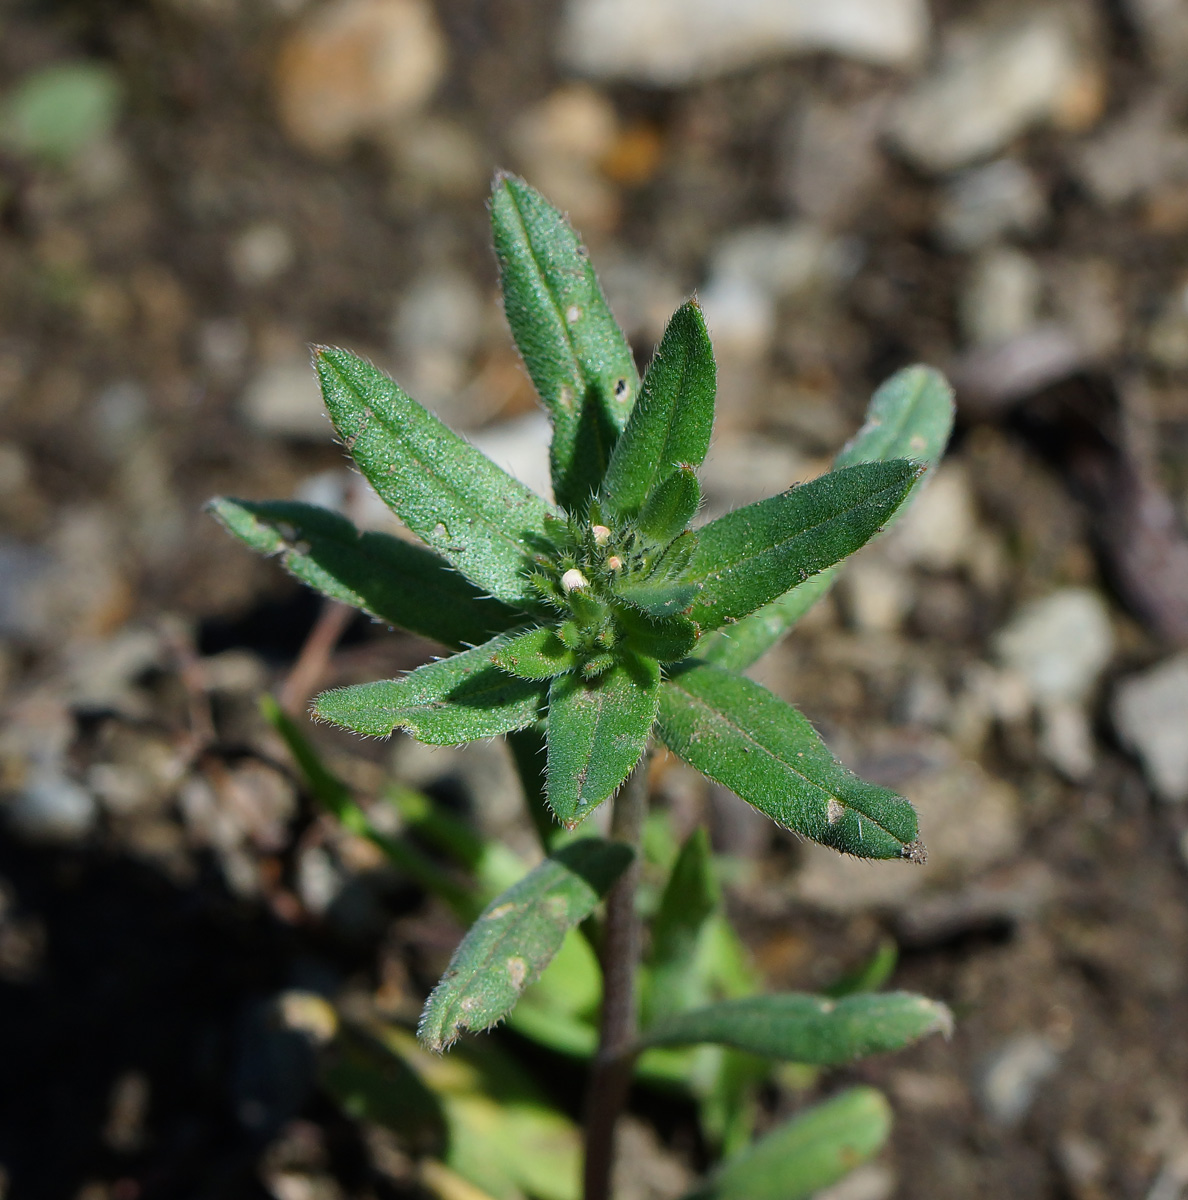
(610, 1077)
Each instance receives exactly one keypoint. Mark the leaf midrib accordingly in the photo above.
(748, 736)
(718, 572)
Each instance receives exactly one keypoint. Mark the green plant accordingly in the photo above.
(583, 629)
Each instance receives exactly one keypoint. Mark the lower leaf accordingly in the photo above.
(807, 1029)
(517, 936)
(809, 1153)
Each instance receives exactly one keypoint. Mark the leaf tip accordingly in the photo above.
(916, 852)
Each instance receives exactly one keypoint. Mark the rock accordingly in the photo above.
(833, 159)
(1135, 153)
(939, 529)
(1012, 1074)
(561, 143)
(283, 399)
(1001, 297)
(1163, 25)
(23, 573)
(993, 84)
(1060, 644)
(877, 595)
(751, 270)
(1150, 713)
(261, 253)
(351, 68)
(669, 43)
(1066, 739)
(51, 807)
(438, 156)
(982, 203)
(742, 468)
(1167, 339)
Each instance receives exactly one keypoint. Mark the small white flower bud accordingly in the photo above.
(573, 580)
(601, 534)
(615, 563)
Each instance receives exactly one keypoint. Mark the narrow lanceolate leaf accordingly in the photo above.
(671, 506)
(393, 580)
(666, 639)
(575, 353)
(691, 896)
(765, 751)
(450, 494)
(806, 1154)
(672, 422)
(516, 937)
(807, 1029)
(909, 416)
(658, 597)
(445, 703)
(735, 647)
(536, 654)
(752, 555)
(598, 730)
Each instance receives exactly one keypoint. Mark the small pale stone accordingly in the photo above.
(1001, 297)
(984, 202)
(261, 253)
(352, 67)
(939, 529)
(989, 87)
(1012, 1075)
(669, 43)
(1150, 712)
(1060, 644)
(283, 399)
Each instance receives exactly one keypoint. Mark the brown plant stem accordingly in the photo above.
(610, 1077)
(311, 665)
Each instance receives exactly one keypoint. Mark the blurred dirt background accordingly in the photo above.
(999, 189)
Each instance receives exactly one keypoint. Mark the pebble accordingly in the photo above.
(877, 594)
(940, 528)
(521, 447)
(751, 270)
(283, 399)
(1060, 645)
(1001, 297)
(52, 807)
(992, 85)
(670, 43)
(1150, 713)
(1167, 339)
(560, 143)
(1012, 1074)
(1163, 26)
(1135, 153)
(352, 68)
(262, 253)
(983, 203)
(871, 1181)
(833, 161)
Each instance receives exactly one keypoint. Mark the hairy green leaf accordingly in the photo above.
(658, 597)
(752, 555)
(393, 580)
(690, 898)
(598, 730)
(910, 416)
(671, 506)
(574, 351)
(450, 494)
(517, 936)
(763, 749)
(672, 423)
(445, 703)
(807, 1029)
(536, 654)
(666, 639)
(808, 1153)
